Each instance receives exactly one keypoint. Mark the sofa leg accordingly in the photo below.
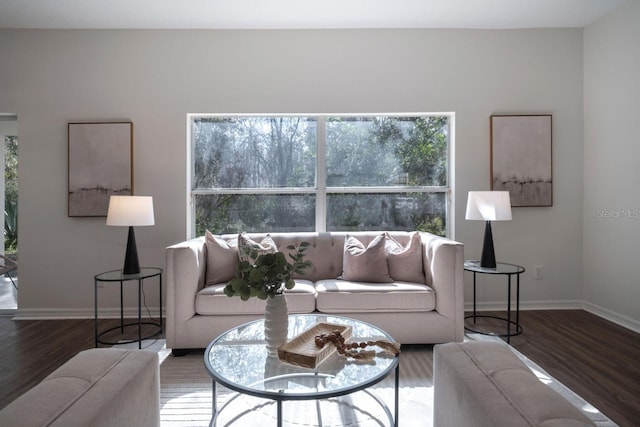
(178, 352)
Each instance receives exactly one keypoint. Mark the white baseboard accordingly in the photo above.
(609, 315)
(528, 305)
(114, 313)
(83, 313)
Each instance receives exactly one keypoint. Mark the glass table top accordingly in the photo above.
(238, 359)
(117, 275)
(501, 268)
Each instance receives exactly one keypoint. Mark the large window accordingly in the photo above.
(319, 173)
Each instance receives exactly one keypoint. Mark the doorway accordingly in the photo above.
(9, 196)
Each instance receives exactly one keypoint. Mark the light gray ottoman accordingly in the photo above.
(484, 384)
(98, 388)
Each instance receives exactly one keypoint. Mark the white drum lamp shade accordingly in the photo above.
(488, 206)
(130, 211)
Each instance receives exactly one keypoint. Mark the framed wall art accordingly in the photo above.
(521, 158)
(100, 165)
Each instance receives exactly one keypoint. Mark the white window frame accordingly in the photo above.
(321, 190)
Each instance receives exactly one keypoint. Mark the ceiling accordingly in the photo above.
(300, 14)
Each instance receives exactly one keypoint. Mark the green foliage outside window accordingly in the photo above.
(11, 195)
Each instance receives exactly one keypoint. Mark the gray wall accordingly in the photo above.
(155, 78)
(611, 164)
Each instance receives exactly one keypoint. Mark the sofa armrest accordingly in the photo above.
(186, 268)
(443, 261)
(99, 387)
(484, 384)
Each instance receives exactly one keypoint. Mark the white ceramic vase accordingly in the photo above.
(276, 323)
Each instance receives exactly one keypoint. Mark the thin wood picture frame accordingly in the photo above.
(521, 158)
(100, 156)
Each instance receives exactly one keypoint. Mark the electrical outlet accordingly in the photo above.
(537, 272)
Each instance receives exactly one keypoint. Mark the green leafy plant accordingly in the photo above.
(10, 227)
(267, 275)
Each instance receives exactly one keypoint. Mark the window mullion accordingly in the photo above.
(271, 190)
(321, 175)
(385, 190)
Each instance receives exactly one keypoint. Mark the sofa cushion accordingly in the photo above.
(246, 245)
(212, 300)
(362, 263)
(344, 296)
(405, 261)
(222, 258)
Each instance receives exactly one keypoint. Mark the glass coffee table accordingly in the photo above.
(238, 361)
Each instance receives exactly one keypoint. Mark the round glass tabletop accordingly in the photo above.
(501, 268)
(117, 275)
(238, 360)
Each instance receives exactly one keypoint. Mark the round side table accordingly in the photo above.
(504, 269)
(118, 276)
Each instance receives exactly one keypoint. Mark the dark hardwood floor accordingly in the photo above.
(597, 359)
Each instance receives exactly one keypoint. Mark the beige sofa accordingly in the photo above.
(484, 384)
(424, 310)
(104, 387)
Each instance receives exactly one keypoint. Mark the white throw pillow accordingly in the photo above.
(222, 257)
(266, 246)
(365, 264)
(405, 262)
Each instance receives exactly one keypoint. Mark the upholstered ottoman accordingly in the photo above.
(485, 384)
(97, 388)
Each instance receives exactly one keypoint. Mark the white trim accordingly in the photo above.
(82, 313)
(191, 210)
(387, 114)
(450, 228)
(271, 190)
(329, 190)
(604, 313)
(525, 305)
(114, 313)
(389, 189)
(321, 190)
(611, 316)
(321, 174)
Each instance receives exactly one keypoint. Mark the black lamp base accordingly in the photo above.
(488, 259)
(131, 264)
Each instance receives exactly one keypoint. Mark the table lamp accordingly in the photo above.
(130, 211)
(488, 206)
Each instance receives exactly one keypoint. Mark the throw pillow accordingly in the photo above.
(365, 264)
(222, 257)
(246, 245)
(405, 262)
